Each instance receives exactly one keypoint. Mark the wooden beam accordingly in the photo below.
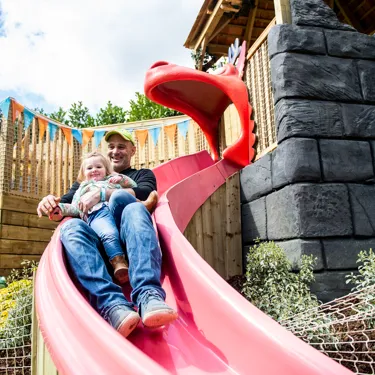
(345, 12)
(203, 52)
(211, 24)
(217, 49)
(282, 11)
(261, 39)
(221, 25)
(250, 23)
(367, 13)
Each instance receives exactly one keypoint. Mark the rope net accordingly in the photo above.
(343, 329)
(15, 328)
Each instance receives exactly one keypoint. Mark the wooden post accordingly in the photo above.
(282, 11)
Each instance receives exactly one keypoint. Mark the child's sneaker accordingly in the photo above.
(155, 312)
(121, 269)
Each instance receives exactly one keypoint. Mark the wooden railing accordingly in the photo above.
(258, 81)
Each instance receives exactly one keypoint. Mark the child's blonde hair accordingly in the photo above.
(103, 159)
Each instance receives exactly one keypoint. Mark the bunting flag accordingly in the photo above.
(86, 136)
(68, 135)
(98, 135)
(170, 131)
(4, 106)
(155, 134)
(17, 110)
(77, 134)
(27, 118)
(142, 136)
(52, 131)
(183, 128)
(42, 127)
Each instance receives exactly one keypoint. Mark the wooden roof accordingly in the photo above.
(220, 22)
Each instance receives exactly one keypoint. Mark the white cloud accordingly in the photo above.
(89, 50)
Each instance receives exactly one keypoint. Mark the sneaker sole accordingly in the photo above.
(129, 324)
(159, 318)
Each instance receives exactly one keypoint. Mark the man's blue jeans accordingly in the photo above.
(104, 226)
(82, 249)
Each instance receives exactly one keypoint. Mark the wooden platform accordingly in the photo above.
(23, 235)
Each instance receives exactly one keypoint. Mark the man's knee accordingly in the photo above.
(120, 196)
(76, 229)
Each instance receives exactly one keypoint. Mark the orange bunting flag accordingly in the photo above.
(141, 136)
(68, 135)
(17, 109)
(170, 131)
(86, 136)
(42, 127)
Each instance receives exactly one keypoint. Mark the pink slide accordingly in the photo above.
(218, 331)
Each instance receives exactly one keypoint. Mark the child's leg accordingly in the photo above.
(103, 224)
(151, 201)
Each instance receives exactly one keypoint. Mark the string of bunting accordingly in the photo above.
(83, 136)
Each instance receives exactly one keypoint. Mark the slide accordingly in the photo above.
(218, 331)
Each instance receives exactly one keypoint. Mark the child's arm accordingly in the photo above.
(68, 209)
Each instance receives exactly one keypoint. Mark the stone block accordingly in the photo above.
(343, 253)
(256, 179)
(308, 118)
(290, 38)
(349, 44)
(294, 249)
(346, 160)
(308, 210)
(359, 120)
(254, 220)
(315, 77)
(330, 285)
(362, 199)
(295, 160)
(315, 13)
(366, 71)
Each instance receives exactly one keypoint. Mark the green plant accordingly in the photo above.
(366, 271)
(273, 287)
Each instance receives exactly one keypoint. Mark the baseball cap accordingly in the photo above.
(123, 133)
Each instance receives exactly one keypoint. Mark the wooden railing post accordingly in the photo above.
(282, 11)
(6, 151)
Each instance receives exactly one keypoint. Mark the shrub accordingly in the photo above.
(366, 271)
(273, 287)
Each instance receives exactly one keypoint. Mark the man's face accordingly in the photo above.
(120, 152)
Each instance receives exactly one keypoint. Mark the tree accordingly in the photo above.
(143, 108)
(79, 116)
(111, 114)
(59, 115)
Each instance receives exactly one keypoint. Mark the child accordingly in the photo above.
(96, 172)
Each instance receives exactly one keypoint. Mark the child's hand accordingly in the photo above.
(115, 179)
(56, 214)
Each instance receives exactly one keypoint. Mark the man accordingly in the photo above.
(82, 246)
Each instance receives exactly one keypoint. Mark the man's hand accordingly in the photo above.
(89, 200)
(115, 179)
(47, 205)
(56, 214)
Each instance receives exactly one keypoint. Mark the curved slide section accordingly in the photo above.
(218, 331)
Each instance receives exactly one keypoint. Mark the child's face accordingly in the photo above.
(94, 169)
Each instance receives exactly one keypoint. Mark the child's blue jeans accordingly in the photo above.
(104, 225)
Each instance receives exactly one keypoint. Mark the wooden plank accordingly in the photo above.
(47, 165)
(33, 159)
(199, 232)
(218, 237)
(21, 204)
(13, 232)
(348, 15)
(261, 39)
(282, 11)
(207, 227)
(266, 151)
(26, 162)
(59, 167)
(22, 247)
(250, 23)
(26, 220)
(233, 227)
(34, 335)
(41, 165)
(8, 261)
(18, 155)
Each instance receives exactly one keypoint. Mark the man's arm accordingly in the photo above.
(146, 182)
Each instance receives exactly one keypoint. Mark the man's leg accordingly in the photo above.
(82, 251)
(145, 265)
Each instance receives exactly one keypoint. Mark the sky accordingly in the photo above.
(57, 52)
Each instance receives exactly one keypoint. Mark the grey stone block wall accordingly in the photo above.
(315, 194)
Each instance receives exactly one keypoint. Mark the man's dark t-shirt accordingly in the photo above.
(144, 178)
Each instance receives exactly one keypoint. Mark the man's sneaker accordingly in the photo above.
(123, 319)
(155, 312)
